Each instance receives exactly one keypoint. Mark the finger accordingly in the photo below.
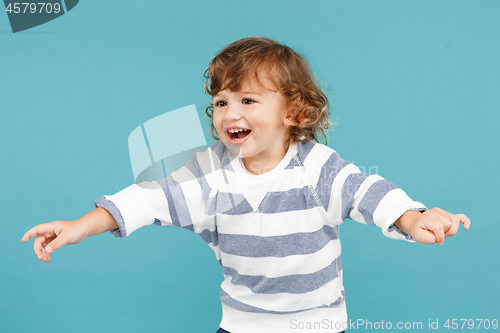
(436, 226)
(425, 237)
(58, 241)
(453, 230)
(38, 246)
(46, 255)
(464, 220)
(455, 222)
(439, 233)
(446, 221)
(36, 230)
(30, 233)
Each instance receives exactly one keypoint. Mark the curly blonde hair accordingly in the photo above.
(287, 71)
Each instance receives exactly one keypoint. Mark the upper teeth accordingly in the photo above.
(235, 130)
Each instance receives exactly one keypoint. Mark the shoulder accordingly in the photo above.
(201, 165)
(208, 161)
(219, 149)
(314, 154)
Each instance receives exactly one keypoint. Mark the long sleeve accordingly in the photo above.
(345, 192)
(371, 199)
(183, 199)
(136, 206)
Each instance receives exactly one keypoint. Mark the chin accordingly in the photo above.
(235, 149)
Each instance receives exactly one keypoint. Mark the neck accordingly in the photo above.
(261, 164)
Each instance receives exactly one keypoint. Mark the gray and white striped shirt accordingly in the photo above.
(276, 235)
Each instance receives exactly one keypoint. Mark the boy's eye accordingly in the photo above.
(248, 101)
(221, 103)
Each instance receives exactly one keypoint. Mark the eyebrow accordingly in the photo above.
(244, 92)
(250, 92)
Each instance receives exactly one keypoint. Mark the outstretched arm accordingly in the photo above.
(51, 236)
(431, 226)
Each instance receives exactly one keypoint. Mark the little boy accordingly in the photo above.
(267, 197)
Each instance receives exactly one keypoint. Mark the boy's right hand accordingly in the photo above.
(51, 236)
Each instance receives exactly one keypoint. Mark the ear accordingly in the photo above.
(290, 118)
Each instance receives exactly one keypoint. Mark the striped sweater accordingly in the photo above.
(276, 235)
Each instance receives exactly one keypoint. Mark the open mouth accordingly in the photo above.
(238, 134)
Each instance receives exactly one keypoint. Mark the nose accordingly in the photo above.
(233, 113)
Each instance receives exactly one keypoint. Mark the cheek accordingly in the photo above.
(217, 121)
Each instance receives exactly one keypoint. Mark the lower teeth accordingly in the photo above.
(236, 136)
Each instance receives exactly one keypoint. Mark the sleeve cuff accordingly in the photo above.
(113, 210)
(131, 207)
(395, 229)
(390, 208)
(392, 231)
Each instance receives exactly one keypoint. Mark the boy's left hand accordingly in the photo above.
(431, 226)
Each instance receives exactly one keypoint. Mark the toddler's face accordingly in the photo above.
(253, 124)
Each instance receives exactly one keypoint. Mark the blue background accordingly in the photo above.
(414, 87)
